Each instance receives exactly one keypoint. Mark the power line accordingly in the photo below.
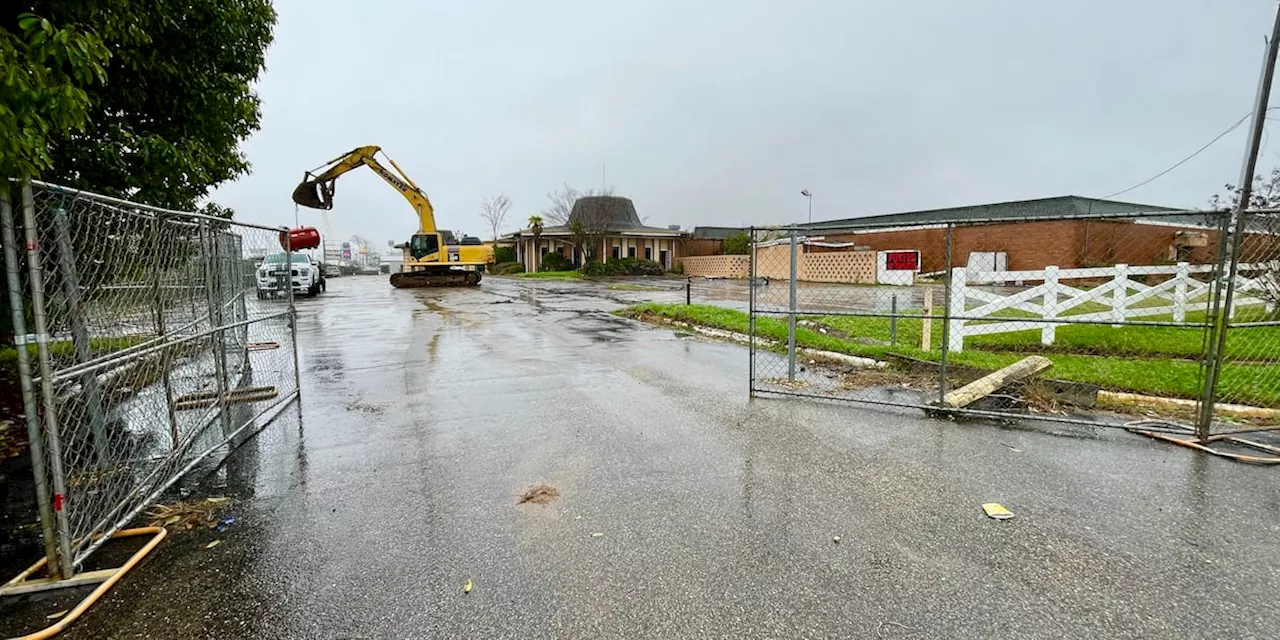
(1184, 160)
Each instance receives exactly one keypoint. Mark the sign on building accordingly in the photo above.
(897, 267)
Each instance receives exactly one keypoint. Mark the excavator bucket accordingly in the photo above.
(314, 194)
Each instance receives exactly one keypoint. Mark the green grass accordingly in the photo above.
(65, 350)
(551, 275)
(1132, 359)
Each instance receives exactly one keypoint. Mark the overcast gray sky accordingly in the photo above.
(718, 112)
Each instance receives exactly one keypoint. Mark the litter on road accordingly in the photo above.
(996, 511)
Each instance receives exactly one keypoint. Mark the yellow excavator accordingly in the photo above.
(429, 261)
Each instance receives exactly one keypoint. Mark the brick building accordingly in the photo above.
(1031, 234)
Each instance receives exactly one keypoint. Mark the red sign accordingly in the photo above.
(902, 261)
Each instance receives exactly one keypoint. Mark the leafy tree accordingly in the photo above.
(535, 225)
(165, 126)
(738, 244)
(45, 67)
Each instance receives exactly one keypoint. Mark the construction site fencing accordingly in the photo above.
(1168, 320)
(147, 343)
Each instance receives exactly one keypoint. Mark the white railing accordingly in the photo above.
(1052, 298)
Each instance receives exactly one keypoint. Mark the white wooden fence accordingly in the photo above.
(1124, 297)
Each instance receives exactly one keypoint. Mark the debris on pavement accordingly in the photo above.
(539, 494)
(225, 524)
(466, 588)
(996, 380)
(188, 515)
(55, 616)
(835, 540)
(996, 511)
(1011, 447)
(597, 534)
(213, 544)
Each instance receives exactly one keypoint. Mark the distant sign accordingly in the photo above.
(346, 252)
(902, 260)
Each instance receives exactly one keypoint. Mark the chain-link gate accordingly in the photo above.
(142, 350)
(1130, 308)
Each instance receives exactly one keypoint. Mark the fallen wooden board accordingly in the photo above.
(1079, 394)
(1120, 400)
(996, 380)
(205, 399)
(261, 346)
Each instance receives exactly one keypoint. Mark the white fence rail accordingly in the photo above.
(1122, 295)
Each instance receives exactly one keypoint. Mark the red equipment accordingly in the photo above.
(299, 239)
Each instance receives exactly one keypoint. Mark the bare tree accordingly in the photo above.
(560, 202)
(1260, 245)
(494, 211)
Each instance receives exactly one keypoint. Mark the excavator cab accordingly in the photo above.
(314, 193)
(422, 245)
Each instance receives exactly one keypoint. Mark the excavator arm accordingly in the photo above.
(316, 189)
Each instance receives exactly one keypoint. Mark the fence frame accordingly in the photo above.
(224, 323)
(1224, 291)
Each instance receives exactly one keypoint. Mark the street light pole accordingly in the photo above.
(807, 194)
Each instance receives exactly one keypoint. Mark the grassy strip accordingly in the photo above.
(1157, 376)
(66, 350)
(1243, 343)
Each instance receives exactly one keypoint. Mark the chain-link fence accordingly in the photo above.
(1123, 316)
(142, 349)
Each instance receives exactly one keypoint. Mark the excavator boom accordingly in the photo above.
(430, 262)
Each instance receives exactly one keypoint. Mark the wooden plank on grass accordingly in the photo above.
(996, 380)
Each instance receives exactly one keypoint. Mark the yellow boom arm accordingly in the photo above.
(316, 189)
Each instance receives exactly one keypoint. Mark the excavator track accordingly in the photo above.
(419, 279)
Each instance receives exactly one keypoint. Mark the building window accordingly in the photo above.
(617, 253)
(631, 252)
(648, 253)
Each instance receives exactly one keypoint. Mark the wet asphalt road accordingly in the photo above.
(426, 413)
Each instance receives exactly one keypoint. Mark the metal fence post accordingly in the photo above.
(80, 334)
(29, 402)
(791, 315)
(893, 319)
(1235, 226)
(166, 362)
(209, 248)
(53, 437)
(751, 316)
(293, 318)
(946, 317)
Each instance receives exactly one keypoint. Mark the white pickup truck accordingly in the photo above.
(305, 276)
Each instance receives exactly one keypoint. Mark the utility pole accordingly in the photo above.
(1221, 312)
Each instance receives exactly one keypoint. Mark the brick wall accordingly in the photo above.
(717, 266)
(839, 266)
(1030, 245)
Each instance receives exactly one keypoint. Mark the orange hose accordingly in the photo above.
(49, 632)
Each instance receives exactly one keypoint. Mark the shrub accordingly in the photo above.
(623, 267)
(738, 244)
(555, 262)
(504, 254)
(506, 268)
